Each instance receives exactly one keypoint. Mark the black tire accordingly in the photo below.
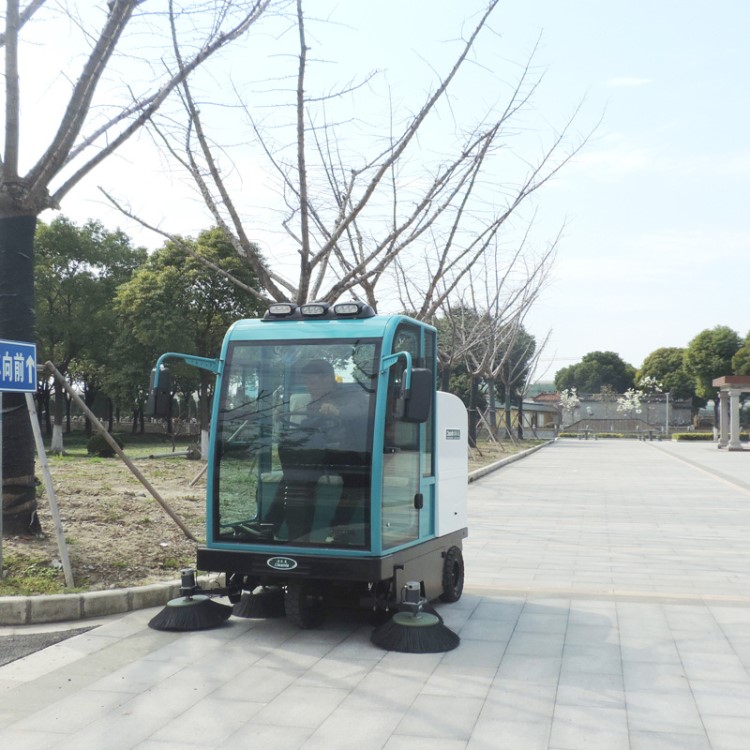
(303, 606)
(453, 575)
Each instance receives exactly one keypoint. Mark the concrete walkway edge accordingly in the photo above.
(479, 473)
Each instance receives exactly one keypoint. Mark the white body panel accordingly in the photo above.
(452, 463)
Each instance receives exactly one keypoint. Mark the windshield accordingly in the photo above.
(294, 443)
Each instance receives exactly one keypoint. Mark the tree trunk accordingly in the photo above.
(17, 324)
(43, 397)
(520, 418)
(445, 377)
(57, 446)
(473, 416)
(89, 396)
(508, 413)
(492, 407)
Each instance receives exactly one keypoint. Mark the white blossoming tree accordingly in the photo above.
(569, 401)
(630, 402)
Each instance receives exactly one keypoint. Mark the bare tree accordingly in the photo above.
(354, 222)
(91, 128)
(487, 333)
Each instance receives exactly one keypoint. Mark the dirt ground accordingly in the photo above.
(117, 534)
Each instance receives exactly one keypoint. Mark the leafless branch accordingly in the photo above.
(62, 145)
(184, 246)
(21, 18)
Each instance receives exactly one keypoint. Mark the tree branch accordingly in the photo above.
(63, 142)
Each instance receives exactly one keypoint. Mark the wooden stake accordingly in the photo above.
(116, 448)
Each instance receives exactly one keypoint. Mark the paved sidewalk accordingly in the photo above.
(607, 606)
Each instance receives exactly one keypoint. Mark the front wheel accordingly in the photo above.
(453, 575)
(303, 606)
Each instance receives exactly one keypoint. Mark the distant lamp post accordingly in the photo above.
(666, 406)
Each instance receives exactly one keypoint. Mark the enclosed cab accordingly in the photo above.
(336, 471)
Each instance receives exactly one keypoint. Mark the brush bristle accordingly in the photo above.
(261, 604)
(428, 636)
(196, 613)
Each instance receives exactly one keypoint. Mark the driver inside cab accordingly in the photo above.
(313, 448)
(319, 380)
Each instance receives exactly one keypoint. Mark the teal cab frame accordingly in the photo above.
(336, 471)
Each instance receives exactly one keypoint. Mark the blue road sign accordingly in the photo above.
(17, 366)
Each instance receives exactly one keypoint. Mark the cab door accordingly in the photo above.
(407, 483)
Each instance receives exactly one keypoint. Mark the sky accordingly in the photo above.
(655, 243)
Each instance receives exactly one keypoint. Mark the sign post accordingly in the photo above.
(17, 375)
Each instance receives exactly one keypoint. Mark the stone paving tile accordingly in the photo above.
(400, 742)
(460, 681)
(591, 689)
(266, 736)
(444, 716)
(668, 741)
(672, 711)
(727, 733)
(28, 739)
(213, 722)
(518, 701)
(505, 735)
(256, 684)
(357, 728)
(589, 727)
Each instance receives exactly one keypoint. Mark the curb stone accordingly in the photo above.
(45, 608)
(33, 610)
(479, 473)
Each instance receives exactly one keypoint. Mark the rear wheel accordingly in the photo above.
(453, 575)
(303, 606)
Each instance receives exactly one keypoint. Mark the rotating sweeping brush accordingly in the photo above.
(190, 611)
(261, 603)
(412, 630)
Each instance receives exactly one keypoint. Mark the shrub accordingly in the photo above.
(701, 436)
(98, 446)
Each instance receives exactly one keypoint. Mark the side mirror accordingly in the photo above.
(160, 398)
(418, 400)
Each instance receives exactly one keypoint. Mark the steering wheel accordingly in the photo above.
(330, 425)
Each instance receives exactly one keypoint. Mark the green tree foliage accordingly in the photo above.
(597, 372)
(77, 271)
(709, 356)
(666, 366)
(741, 359)
(176, 303)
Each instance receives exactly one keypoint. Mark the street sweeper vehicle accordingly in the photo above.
(337, 473)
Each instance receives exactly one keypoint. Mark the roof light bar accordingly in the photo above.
(347, 309)
(314, 309)
(353, 309)
(318, 310)
(281, 310)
